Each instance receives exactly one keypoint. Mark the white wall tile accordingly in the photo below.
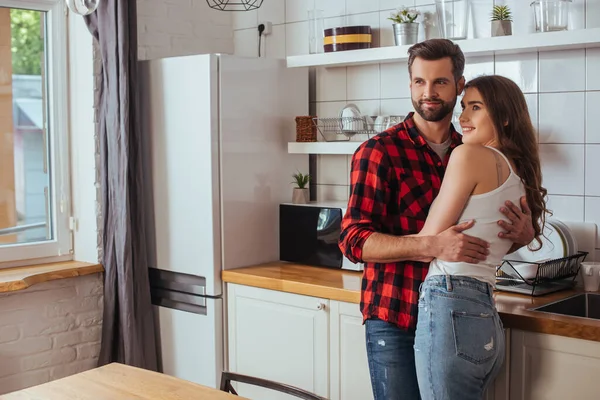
(361, 6)
(296, 38)
(363, 82)
(554, 126)
(272, 11)
(330, 109)
(331, 84)
(562, 168)
(592, 169)
(331, 8)
(396, 107)
(532, 105)
(522, 17)
(245, 43)
(332, 170)
(577, 15)
(592, 67)
(521, 68)
(562, 70)
(368, 107)
(592, 214)
(245, 20)
(395, 80)
(332, 192)
(297, 10)
(394, 4)
(275, 42)
(477, 66)
(479, 19)
(592, 117)
(428, 27)
(371, 19)
(567, 208)
(424, 2)
(386, 32)
(334, 22)
(592, 14)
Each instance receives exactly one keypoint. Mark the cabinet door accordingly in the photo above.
(499, 389)
(551, 367)
(350, 377)
(278, 336)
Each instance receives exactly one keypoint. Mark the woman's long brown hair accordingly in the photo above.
(508, 109)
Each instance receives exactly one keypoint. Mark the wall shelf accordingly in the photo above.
(543, 41)
(323, 147)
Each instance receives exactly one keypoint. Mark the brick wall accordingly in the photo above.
(169, 28)
(49, 331)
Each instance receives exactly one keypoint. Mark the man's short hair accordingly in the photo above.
(437, 49)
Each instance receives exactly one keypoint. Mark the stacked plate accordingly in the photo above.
(557, 242)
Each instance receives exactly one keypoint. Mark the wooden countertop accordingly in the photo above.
(19, 278)
(345, 286)
(118, 381)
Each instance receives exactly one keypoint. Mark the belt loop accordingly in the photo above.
(448, 283)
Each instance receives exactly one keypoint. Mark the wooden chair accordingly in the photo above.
(228, 377)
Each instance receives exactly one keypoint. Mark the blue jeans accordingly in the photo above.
(391, 360)
(459, 344)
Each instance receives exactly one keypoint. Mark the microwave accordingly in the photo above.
(309, 234)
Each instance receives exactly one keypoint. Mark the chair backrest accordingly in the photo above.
(228, 377)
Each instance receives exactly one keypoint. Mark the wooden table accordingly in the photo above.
(118, 381)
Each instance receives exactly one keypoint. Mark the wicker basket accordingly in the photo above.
(306, 130)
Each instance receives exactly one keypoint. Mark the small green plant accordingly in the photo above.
(501, 13)
(404, 15)
(301, 180)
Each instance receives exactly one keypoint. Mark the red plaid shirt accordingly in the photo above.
(394, 178)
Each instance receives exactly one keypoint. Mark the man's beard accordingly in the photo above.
(433, 115)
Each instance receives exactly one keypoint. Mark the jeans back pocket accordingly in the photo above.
(475, 336)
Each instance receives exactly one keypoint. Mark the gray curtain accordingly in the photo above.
(128, 327)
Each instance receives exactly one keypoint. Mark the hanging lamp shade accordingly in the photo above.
(234, 5)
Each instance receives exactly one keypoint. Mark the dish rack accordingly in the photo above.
(551, 276)
(343, 129)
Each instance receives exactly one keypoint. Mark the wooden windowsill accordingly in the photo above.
(19, 278)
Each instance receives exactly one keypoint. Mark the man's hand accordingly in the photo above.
(452, 245)
(520, 229)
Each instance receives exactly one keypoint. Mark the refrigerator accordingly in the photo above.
(215, 131)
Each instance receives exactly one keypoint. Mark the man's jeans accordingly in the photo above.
(391, 359)
(459, 344)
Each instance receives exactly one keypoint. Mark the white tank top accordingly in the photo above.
(484, 208)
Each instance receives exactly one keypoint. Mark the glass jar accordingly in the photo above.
(452, 17)
(551, 15)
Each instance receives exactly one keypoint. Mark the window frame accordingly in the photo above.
(56, 86)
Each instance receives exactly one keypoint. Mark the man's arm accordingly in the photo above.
(361, 239)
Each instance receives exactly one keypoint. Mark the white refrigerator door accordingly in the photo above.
(179, 114)
(191, 344)
(259, 100)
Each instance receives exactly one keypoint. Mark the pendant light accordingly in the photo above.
(235, 5)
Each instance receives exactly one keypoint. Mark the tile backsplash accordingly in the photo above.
(562, 87)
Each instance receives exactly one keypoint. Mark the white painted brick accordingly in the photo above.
(66, 307)
(21, 381)
(150, 9)
(9, 333)
(42, 326)
(48, 359)
(92, 334)
(88, 350)
(25, 347)
(155, 39)
(61, 371)
(89, 319)
(29, 299)
(161, 25)
(66, 339)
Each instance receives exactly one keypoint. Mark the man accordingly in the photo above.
(395, 177)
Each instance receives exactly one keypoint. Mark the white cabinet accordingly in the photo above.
(350, 378)
(278, 336)
(551, 367)
(499, 389)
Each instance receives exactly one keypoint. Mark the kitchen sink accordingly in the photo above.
(585, 305)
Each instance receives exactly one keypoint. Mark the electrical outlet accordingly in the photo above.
(268, 27)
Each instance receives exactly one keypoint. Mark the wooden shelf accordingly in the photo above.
(543, 41)
(323, 147)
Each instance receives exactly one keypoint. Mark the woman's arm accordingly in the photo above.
(460, 179)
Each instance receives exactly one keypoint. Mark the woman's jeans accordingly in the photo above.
(459, 343)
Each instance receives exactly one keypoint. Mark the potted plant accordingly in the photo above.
(406, 30)
(501, 21)
(300, 195)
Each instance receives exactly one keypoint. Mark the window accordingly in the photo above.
(34, 174)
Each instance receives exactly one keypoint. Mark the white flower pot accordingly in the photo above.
(300, 196)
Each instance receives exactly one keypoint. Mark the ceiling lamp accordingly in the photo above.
(82, 7)
(234, 5)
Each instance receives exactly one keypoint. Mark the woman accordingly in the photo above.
(459, 344)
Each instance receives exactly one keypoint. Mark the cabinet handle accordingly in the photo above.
(320, 306)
